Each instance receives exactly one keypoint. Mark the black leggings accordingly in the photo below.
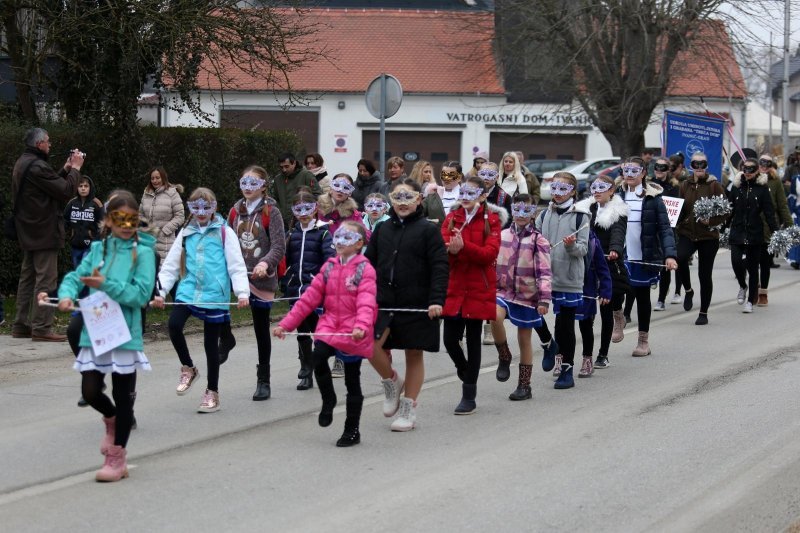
(643, 307)
(467, 367)
(748, 265)
(211, 333)
(304, 342)
(630, 298)
(706, 253)
(565, 333)
(606, 326)
(261, 328)
(322, 371)
(766, 260)
(123, 387)
(663, 284)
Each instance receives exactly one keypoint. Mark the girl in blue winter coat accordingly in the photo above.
(204, 260)
(122, 265)
(308, 246)
(649, 242)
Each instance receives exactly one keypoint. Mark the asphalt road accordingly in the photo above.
(704, 435)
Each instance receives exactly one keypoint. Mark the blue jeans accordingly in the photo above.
(77, 256)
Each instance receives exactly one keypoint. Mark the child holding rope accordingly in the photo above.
(346, 290)
(204, 260)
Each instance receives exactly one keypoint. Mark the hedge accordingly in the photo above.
(193, 157)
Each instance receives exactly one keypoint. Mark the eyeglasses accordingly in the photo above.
(124, 220)
(375, 206)
(660, 167)
(488, 174)
(343, 186)
(202, 207)
(559, 188)
(747, 169)
(449, 176)
(699, 164)
(345, 237)
(251, 183)
(522, 210)
(404, 197)
(304, 209)
(469, 193)
(600, 186)
(765, 162)
(631, 170)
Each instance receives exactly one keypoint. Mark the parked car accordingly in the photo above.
(581, 170)
(540, 166)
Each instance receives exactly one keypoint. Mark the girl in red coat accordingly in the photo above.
(471, 234)
(346, 289)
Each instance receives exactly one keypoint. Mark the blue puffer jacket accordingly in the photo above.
(306, 252)
(658, 239)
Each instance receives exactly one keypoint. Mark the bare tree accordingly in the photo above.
(617, 58)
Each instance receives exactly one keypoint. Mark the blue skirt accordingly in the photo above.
(587, 309)
(566, 299)
(215, 316)
(521, 316)
(642, 275)
(259, 303)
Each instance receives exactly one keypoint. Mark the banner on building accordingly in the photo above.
(687, 133)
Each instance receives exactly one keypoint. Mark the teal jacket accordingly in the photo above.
(127, 283)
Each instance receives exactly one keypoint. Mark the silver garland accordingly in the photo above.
(707, 208)
(783, 240)
(725, 238)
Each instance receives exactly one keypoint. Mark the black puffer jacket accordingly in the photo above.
(750, 198)
(314, 247)
(365, 187)
(658, 239)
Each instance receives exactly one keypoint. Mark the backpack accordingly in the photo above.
(356, 277)
(233, 214)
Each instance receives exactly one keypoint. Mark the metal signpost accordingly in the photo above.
(384, 96)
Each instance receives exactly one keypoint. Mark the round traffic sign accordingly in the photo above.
(394, 96)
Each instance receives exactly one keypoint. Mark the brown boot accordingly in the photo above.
(115, 467)
(619, 325)
(762, 298)
(643, 347)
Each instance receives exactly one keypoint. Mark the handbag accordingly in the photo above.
(10, 224)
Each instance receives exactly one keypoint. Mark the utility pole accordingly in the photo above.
(785, 84)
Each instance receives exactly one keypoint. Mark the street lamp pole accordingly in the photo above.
(785, 83)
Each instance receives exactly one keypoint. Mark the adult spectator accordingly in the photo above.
(395, 174)
(284, 187)
(647, 157)
(512, 179)
(480, 159)
(534, 187)
(368, 181)
(40, 195)
(316, 165)
(162, 209)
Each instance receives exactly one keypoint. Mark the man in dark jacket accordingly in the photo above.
(285, 186)
(40, 230)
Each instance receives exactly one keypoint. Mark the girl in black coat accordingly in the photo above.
(750, 198)
(649, 242)
(609, 223)
(411, 263)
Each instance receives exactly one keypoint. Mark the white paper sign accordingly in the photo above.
(674, 206)
(104, 322)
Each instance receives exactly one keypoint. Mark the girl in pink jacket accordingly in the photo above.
(346, 289)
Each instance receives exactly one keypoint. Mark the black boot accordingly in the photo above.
(351, 435)
(226, 343)
(467, 404)
(326, 390)
(504, 362)
(306, 374)
(263, 391)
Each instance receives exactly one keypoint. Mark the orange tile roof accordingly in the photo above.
(428, 51)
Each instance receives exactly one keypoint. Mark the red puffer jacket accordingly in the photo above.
(472, 285)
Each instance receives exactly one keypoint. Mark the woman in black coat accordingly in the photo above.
(411, 263)
(750, 198)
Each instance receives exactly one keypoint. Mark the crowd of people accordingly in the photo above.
(371, 266)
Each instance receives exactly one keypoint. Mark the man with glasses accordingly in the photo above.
(39, 194)
(284, 187)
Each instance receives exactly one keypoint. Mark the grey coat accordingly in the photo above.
(163, 212)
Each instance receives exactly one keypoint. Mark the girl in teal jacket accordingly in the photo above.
(122, 265)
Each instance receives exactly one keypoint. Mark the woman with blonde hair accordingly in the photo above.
(513, 180)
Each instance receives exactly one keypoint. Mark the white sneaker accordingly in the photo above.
(740, 298)
(488, 338)
(748, 308)
(338, 368)
(659, 307)
(406, 416)
(392, 388)
(676, 299)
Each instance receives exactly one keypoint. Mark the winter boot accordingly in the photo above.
(763, 301)
(306, 374)
(326, 390)
(617, 334)
(488, 338)
(115, 467)
(111, 431)
(504, 364)
(263, 391)
(467, 404)
(351, 435)
(565, 380)
(643, 347)
(406, 416)
(523, 391)
(549, 357)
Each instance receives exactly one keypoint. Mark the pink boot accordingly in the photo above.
(115, 467)
(108, 438)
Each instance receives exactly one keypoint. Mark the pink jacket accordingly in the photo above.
(346, 306)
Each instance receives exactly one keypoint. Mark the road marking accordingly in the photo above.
(44, 488)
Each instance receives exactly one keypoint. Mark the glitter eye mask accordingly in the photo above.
(600, 186)
(375, 207)
(488, 174)
(303, 210)
(345, 237)
(124, 220)
(469, 193)
(523, 210)
(343, 186)
(560, 189)
(201, 207)
(404, 197)
(251, 183)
